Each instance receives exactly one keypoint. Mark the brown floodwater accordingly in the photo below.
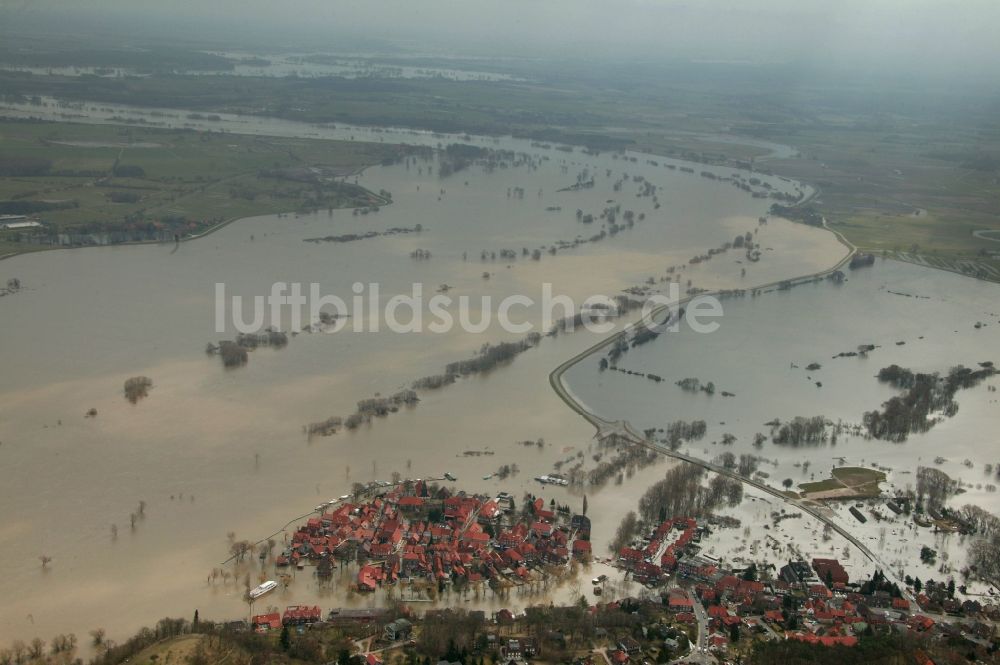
(213, 451)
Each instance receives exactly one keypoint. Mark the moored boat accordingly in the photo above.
(264, 588)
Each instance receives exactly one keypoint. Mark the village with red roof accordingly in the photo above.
(427, 536)
(415, 532)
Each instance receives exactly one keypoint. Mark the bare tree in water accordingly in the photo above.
(240, 549)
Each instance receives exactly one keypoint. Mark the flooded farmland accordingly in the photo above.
(212, 451)
(925, 320)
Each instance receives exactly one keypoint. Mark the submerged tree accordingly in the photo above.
(137, 387)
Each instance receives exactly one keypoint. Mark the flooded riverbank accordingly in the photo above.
(795, 353)
(212, 451)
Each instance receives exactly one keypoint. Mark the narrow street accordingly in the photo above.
(699, 652)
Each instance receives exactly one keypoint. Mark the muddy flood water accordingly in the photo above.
(924, 320)
(212, 451)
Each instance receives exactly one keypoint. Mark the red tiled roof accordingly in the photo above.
(630, 554)
(301, 612)
(272, 620)
(679, 600)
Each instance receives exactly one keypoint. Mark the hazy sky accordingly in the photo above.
(940, 33)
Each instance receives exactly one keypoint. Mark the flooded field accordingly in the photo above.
(924, 320)
(213, 451)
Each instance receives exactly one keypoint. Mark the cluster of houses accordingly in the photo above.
(412, 532)
(719, 604)
(294, 615)
(808, 601)
(662, 551)
(813, 602)
(301, 615)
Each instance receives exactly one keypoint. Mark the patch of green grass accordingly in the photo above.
(854, 476)
(860, 482)
(821, 486)
(874, 180)
(202, 177)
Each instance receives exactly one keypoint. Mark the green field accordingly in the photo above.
(851, 481)
(917, 194)
(186, 180)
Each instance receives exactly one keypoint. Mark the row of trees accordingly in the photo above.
(491, 355)
(353, 237)
(800, 431)
(621, 305)
(236, 353)
(693, 385)
(488, 357)
(371, 407)
(61, 649)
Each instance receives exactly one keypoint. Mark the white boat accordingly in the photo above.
(552, 480)
(264, 588)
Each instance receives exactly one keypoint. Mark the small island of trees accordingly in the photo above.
(235, 353)
(924, 394)
(136, 388)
